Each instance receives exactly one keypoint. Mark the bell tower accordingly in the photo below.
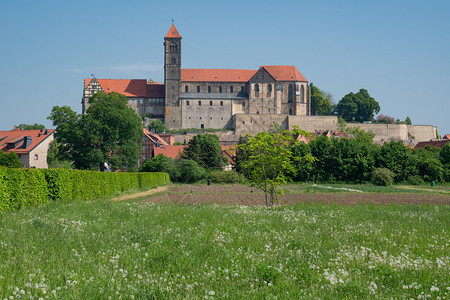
(172, 78)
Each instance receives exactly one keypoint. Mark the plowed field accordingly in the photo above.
(243, 195)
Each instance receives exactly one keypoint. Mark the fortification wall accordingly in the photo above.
(254, 123)
(422, 133)
(313, 123)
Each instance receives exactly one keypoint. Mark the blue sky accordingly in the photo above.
(398, 50)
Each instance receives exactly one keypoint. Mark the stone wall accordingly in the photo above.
(313, 123)
(206, 113)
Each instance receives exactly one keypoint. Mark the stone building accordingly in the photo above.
(209, 98)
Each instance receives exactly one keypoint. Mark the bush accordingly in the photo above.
(161, 163)
(190, 171)
(226, 177)
(383, 177)
(415, 180)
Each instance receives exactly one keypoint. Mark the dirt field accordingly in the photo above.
(242, 195)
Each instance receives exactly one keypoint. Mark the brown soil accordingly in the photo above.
(242, 195)
(146, 193)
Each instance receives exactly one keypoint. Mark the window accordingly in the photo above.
(198, 89)
(290, 94)
(143, 148)
(186, 89)
(144, 157)
(209, 89)
(210, 103)
(220, 89)
(221, 103)
(302, 94)
(199, 103)
(202, 126)
(187, 103)
(256, 90)
(290, 111)
(269, 90)
(174, 61)
(231, 89)
(242, 89)
(36, 157)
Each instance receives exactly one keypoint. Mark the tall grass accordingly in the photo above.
(100, 249)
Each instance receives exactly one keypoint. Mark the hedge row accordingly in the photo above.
(20, 188)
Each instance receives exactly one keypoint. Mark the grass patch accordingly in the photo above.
(97, 249)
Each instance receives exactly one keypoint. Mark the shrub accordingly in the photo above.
(383, 177)
(415, 180)
(190, 171)
(226, 177)
(161, 163)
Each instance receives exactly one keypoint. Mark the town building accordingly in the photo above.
(31, 146)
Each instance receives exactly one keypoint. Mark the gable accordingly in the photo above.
(262, 76)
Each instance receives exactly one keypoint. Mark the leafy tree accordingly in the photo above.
(408, 121)
(321, 102)
(268, 161)
(385, 119)
(161, 163)
(109, 133)
(158, 126)
(205, 150)
(56, 158)
(190, 171)
(31, 127)
(428, 164)
(445, 160)
(396, 157)
(9, 160)
(359, 107)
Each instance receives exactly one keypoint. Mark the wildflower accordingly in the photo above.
(434, 289)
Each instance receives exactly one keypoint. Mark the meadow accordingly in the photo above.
(132, 249)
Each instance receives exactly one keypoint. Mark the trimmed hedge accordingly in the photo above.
(21, 188)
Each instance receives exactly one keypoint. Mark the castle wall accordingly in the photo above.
(206, 113)
(254, 123)
(313, 123)
(422, 133)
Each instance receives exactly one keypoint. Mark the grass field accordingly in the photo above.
(140, 250)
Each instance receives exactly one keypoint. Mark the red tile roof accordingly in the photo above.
(169, 150)
(155, 138)
(284, 73)
(130, 87)
(217, 75)
(18, 135)
(173, 32)
(446, 137)
(432, 144)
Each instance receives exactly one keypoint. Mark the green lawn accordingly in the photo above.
(97, 249)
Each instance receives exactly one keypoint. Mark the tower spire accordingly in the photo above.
(173, 32)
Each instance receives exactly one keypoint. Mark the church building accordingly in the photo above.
(209, 98)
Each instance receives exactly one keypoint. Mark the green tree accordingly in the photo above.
(9, 160)
(31, 127)
(396, 157)
(189, 171)
(56, 159)
(359, 107)
(408, 121)
(161, 163)
(268, 161)
(109, 133)
(205, 150)
(321, 102)
(158, 126)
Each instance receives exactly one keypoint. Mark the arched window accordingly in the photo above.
(202, 126)
(256, 90)
(290, 111)
(220, 89)
(174, 61)
(302, 94)
(290, 93)
(209, 89)
(231, 89)
(221, 103)
(199, 103)
(198, 89)
(269, 90)
(210, 103)
(186, 89)
(187, 103)
(175, 48)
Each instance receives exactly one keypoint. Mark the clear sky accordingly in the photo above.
(396, 49)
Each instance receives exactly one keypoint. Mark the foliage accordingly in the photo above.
(359, 107)
(205, 150)
(385, 119)
(9, 160)
(408, 121)
(321, 102)
(21, 188)
(229, 177)
(56, 159)
(383, 177)
(415, 180)
(428, 164)
(31, 127)
(109, 133)
(396, 157)
(157, 125)
(161, 163)
(268, 160)
(189, 171)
